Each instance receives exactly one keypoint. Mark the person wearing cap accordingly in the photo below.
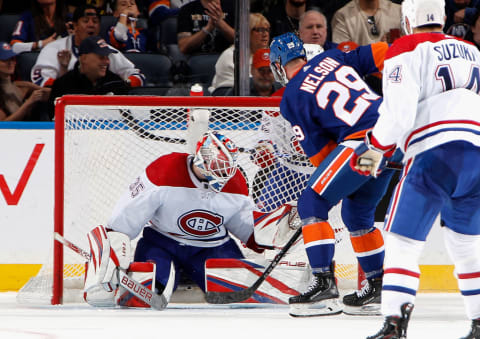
(61, 55)
(18, 100)
(90, 74)
(262, 82)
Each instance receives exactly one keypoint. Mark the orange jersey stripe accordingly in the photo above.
(357, 135)
(379, 50)
(317, 231)
(320, 156)
(367, 242)
(330, 172)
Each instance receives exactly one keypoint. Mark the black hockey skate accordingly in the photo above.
(365, 301)
(321, 297)
(475, 332)
(395, 327)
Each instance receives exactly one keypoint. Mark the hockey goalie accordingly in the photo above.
(186, 206)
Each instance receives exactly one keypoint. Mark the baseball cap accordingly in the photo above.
(347, 46)
(80, 12)
(429, 12)
(261, 58)
(6, 51)
(95, 44)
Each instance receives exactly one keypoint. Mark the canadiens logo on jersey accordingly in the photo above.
(200, 223)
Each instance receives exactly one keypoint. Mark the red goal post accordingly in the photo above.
(103, 142)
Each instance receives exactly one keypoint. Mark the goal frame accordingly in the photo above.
(61, 103)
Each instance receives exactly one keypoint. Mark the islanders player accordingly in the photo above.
(330, 109)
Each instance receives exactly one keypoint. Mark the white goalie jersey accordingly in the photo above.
(168, 197)
(446, 90)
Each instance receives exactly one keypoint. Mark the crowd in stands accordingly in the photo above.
(162, 47)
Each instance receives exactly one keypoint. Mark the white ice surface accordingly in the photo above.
(436, 316)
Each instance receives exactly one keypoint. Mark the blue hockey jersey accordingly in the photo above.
(328, 102)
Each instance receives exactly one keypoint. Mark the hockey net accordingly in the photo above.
(103, 142)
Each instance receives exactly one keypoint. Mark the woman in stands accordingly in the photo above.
(39, 26)
(18, 100)
(224, 68)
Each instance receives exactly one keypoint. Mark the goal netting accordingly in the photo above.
(103, 142)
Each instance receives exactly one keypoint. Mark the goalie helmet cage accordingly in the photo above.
(102, 143)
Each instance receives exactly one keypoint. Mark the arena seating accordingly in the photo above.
(7, 25)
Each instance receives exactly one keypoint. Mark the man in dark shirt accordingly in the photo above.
(90, 74)
(285, 16)
(206, 26)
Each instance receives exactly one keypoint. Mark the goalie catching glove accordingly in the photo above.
(109, 252)
(370, 156)
(276, 227)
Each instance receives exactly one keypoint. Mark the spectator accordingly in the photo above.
(224, 68)
(90, 74)
(206, 26)
(17, 100)
(60, 56)
(125, 35)
(262, 82)
(159, 10)
(328, 8)
(284, 18)
(366, 21)
(103, 7)
(473, 35)
(313, 29)
(39, 26)
(460, 11)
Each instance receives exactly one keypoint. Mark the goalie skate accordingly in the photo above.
(321, 298)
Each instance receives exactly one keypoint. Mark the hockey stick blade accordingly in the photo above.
(158, 302)
(244, 294)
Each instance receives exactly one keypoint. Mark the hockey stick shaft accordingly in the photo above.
(244, 294)
(158, 302)
(145, 134)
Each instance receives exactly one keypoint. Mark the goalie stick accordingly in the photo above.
(244, 294)
(158, 302)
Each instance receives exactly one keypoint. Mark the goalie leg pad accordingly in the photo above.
(109, 251)
(144, 273)
(323, 307)
(96, 295)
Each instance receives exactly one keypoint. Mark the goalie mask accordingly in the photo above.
(283, 49)
(216, 158)
(420, 13)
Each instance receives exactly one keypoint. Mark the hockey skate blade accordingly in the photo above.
(369, 309)
(324, 307)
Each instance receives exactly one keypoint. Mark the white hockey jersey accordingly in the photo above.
(47, 67)
(431, 85)
(168, 197)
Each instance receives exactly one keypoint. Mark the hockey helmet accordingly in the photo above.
(420, 13)
(283, 49)
(216, 157)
